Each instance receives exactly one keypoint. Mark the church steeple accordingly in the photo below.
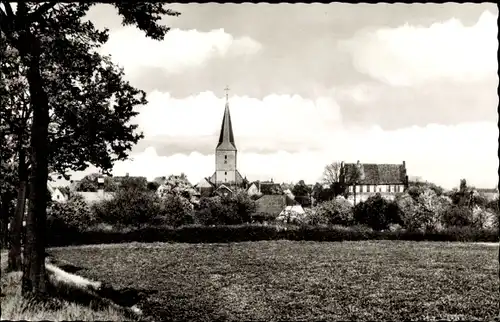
(226, 137)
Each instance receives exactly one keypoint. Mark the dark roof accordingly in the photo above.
(378, 173)
(273, 204)
(226, 137)
(487, 190)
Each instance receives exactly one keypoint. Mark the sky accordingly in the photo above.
(314, 84)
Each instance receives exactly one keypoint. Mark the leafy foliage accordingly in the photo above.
(75, 213)
(302, 193)
(377, 213)
(178, 186)
(334, 212)
(176, 210)
(457, 216)
(271, 189)
(225, 210)
(129, 207)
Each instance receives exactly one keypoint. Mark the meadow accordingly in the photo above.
(290, 280)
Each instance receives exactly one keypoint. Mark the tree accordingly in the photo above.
(15, 119)
(351, 177)
(178, 186)
(302, 192)
(58, 51)
(321, 194)
(331, 173)
(377, 213)
(133, 183)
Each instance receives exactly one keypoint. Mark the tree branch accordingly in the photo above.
(8, 9)
(38, 13)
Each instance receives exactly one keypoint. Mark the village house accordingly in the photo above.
(277, 206)
(369, 179)
(257, 188)
(56, 194)
(489, 193)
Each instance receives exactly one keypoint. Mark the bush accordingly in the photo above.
(377, 213)
(457, 216)
(291, 217)
(176, 211)
(262, 217)
(422, 213)
(74, 214)
(334, 212)
(129, 207)
(225, 210)
(239, 233)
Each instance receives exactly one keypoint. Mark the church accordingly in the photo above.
(226, 178)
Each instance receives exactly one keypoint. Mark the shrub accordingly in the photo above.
(421, 213)
(457, 216)
(238, 233)
(291, 217)
(129, 207)
(483, 218)
(74, 214)
(262, 217)
(334, 212)
(176, 211)
(377, 213)
(225, 210)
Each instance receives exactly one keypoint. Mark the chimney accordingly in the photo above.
(100, 187)
(126, 175)
(404, 164)
(258, 182)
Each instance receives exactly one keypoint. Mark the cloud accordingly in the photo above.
(181, 49)
(272, 123)
(409, 55)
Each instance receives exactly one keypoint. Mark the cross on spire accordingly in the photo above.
(227, 95)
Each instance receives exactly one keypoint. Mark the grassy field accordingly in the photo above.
(285, 280)
(15, 307)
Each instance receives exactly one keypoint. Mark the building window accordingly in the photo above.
(225, 157)
(389, 188)
(225, 173)
(367, 188)
(360, 188)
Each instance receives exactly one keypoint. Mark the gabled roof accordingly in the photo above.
(205, 180)
(226, 137)
(273, 204)
(378, 173)
(224, 187)
(487, 190)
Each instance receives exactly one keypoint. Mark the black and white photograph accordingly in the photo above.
(249, 161)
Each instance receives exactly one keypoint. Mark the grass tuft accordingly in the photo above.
(72, 299)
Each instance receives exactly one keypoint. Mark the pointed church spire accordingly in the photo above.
(226, 138)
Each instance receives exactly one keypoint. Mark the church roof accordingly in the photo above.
(226, 138)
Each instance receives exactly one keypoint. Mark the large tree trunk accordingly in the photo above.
(34, 278)
(16, 225)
